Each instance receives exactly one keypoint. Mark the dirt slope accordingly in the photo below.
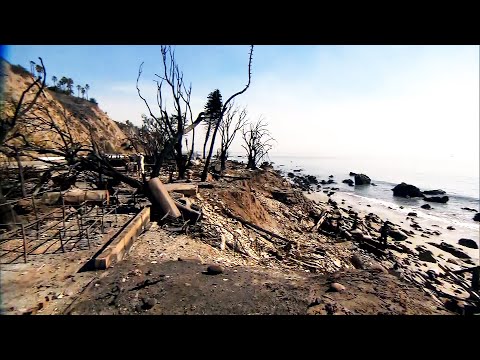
(83, 115)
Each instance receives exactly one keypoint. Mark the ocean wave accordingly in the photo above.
(420, 213)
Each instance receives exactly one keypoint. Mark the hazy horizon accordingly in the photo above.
(386, 102)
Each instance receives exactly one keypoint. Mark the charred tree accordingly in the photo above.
(257, 143)
(233, 121)
(224, 108)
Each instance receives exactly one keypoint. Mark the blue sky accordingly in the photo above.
(391, 101)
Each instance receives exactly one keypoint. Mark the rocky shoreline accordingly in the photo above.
(416, 249)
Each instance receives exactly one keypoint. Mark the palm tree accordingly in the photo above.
(86, 89)
(70, 85)
(62, 82)
(83, 93)
(54, 79)
(39, 70)
(78, 88)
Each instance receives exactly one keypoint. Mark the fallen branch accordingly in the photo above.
(256, 227)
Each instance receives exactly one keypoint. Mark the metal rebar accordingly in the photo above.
(88, 237)
(36, 216)
(24, 244)
(63, 209)
(103, 215)
(61, 240)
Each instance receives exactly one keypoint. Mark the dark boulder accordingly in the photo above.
(437, 199)
(362, 179)
(330, 176)
(397, 235)
(412, 214)
(312, 179)
(468, 243)
(434, 192)
(469, 209)
(330, 181)
(450, 228)
(291, 175)
(348, 181)
(323, 182)
(476, 217)
(426, 206)
(406, 190)
(425, 254)
(373, 184)
(297, 170)
(352, 174)
(451, 249)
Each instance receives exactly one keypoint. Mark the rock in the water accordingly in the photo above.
(348, 181)
(291, 175)
(330, 176)
(476, 217)
(437, 199)
(373, 184)
(362, 179)
(412, 214)
(434, 192)
(407, 190)
(357, 262)
(352, 173)
(469, 209)
(426, 206)
(468, 243)
(450, 228)
(451, 249)
(397, 235)
(214, 269)
(337, 287)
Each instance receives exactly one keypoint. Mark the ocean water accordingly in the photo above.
(459, 179)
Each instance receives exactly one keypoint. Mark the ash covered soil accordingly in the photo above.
(185, 287)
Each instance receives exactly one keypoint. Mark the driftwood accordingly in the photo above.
(460, 282)
(256, 227)
(320, 221)
(234, 177)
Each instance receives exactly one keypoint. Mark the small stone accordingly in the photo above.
(412, 214)
(450, 228)
(357, 262)
(214, 269)
(378, 268)
(148, 303)
(337, 287)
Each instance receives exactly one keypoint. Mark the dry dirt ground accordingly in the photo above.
(166, 275)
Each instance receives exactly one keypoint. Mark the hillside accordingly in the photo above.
(82, 115)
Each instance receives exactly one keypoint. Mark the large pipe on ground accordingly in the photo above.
(162, 199)
(76, 196)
